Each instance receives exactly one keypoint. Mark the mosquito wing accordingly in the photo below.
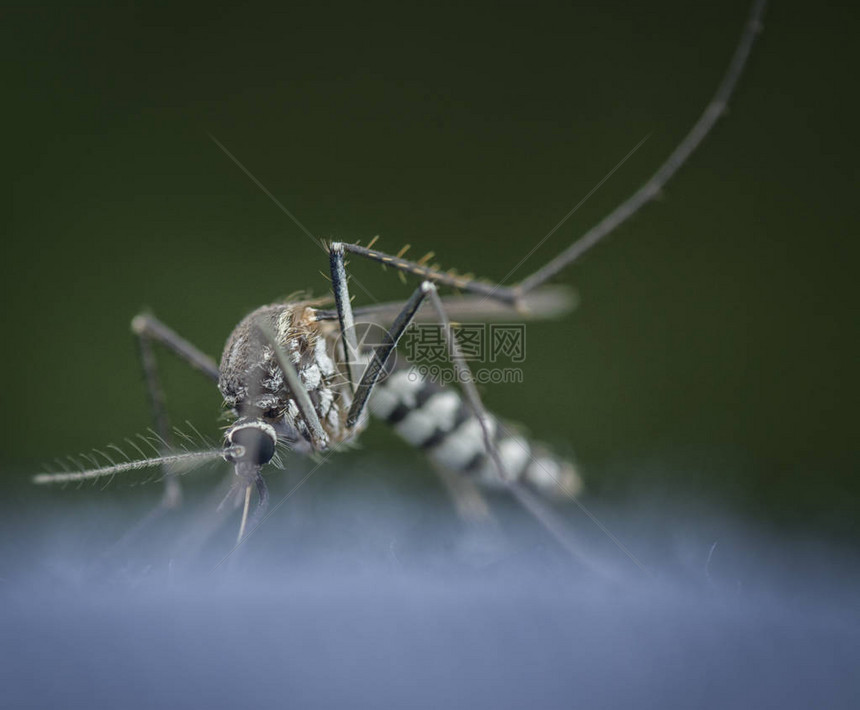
(541, 304)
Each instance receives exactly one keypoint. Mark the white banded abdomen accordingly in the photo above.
(438, 420)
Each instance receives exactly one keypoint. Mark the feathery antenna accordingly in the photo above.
(134, 465)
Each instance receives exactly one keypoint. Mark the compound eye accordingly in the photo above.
(257, 439)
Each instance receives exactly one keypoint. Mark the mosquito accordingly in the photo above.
(295, 376)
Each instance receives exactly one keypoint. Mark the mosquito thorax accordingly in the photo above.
(254, 386)
(256, 441)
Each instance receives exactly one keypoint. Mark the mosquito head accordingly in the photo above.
(250, 443)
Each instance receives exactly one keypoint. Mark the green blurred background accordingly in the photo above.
(713, 354)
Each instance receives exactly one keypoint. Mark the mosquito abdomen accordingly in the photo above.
(438, 420)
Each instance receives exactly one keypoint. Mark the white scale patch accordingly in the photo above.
(275, 380)
(554, 477)
(333, 420)
(438, 412)
(544, 474)
(397, 389)
(326, 398)
(514, 453)
(322, 358)
(294, 350)
(311, 377)
(462, 444)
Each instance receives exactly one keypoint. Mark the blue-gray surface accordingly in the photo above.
(391, 604)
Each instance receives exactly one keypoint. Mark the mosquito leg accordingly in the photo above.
(344, 311)
(491, 429)
(158, 407)
(713, 111)
(467, 383)
(377, 363)
(503, 294)
(513, 295)
(172, 490)
(470, 503)
(383, 351)
(149, 329)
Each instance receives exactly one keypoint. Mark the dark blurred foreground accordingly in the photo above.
(375, 600)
